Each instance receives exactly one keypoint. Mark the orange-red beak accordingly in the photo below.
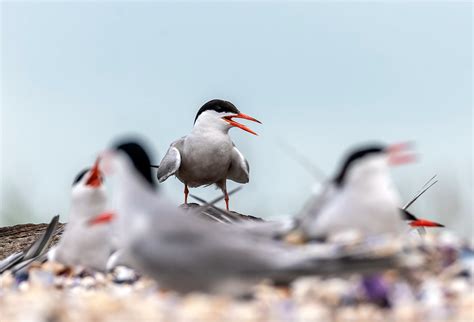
(399, 154)
(424, 223)
(94, 180)
(229, 119)
(103, 218)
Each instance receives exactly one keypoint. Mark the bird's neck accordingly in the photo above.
(86, 209)
(132, 195)
(375, 187)
(132, 189)
(366, 184)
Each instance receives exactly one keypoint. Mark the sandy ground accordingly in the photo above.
(310, 299)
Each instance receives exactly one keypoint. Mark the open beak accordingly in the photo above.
(105, 162)
(229, 119)
(94, 180)
(424, 223)
(103, 218)
(399, 154)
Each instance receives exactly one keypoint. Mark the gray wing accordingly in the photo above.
(307, 219)
(171, 162)
(315, 203)
(239, 168)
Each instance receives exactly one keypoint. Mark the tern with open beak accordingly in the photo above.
(207, 155)
(80, 243)
(360, 197)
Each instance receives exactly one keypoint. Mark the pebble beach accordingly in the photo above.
(440, 289)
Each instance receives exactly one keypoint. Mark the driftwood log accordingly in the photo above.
(16, 238)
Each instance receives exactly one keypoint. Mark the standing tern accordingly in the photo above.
(188, 253)
(207, 155)
(81, 244)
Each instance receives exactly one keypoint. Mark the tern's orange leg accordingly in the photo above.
(186, 192)
(226, 198)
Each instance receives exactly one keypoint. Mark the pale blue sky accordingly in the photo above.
(320, 75)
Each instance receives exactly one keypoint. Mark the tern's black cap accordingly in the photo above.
(218, 105)
(139, 158)
(355, 155)
(79, 176)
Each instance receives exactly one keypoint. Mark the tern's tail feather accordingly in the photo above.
(41, 244)
(327, 260)
(341, 266)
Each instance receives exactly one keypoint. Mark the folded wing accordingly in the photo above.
(171, 162)
(239, 168)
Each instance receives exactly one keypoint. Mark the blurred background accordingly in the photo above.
(321, 77)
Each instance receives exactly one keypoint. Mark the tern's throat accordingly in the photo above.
(132, 197)
(88, 206)
(210, 124)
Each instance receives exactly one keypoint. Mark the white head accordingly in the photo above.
(133, 191)
(218, 115)
(88, 196)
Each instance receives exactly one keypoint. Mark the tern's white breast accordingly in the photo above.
(205, 158)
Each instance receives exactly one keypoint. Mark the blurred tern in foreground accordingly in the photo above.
(361, 197)
(315, 203)
(80, 243)
(207, 155)
(188, 253)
